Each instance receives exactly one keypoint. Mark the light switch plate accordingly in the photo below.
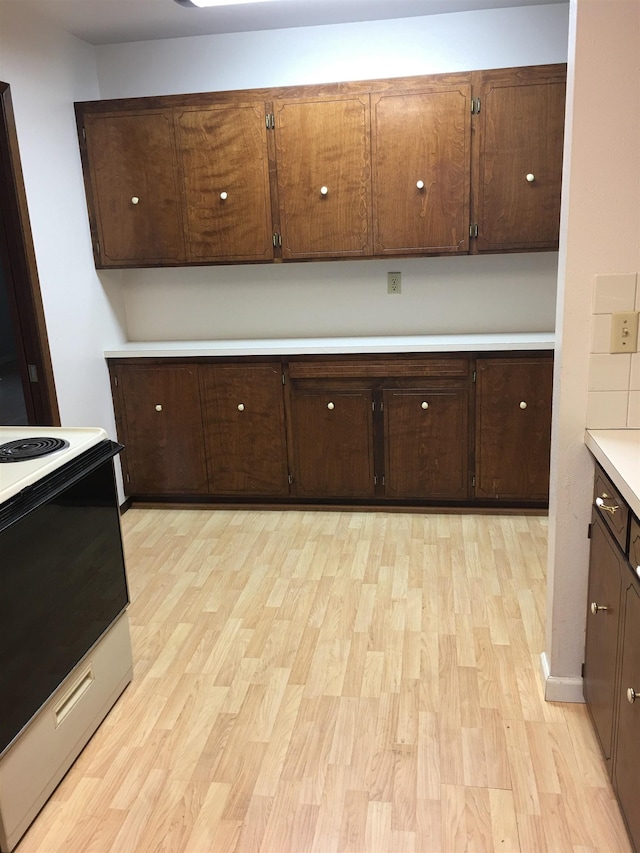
(624, 331)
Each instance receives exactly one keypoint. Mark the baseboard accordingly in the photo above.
(559, 688)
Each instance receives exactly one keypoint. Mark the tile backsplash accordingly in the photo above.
(614, 378)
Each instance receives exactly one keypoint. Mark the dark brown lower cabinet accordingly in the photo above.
(426, 443)
(159, 421)
(332, 443)
(612, 650)
(244, 429)
(513, 428)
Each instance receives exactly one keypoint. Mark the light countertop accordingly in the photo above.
(323, 346)
(618, 451)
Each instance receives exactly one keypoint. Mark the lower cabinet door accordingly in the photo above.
(333, 443)
(513, 428)
(627, 761)
(426, 443)
(161, 429)
(603, 619)
(245, 433)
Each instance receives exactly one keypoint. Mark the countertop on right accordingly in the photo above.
(618, 451)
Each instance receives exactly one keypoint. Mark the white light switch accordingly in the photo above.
(624, 332)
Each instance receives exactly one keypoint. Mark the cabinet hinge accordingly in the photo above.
(33, 372)
(97, 247)
(375, 479)
(473, 479)
(283, 379)
(84, 135)
(270, 121)
(588, 531)
(115, 381)
(277, 240)
(473, 230)
(373, 407)
(290, 478)
(473, 378)
(128, 478)
(475, 106)
(383, 479)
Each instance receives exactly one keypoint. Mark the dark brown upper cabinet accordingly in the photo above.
(323, 159)
(133, 188)
(421, 168)
(518, 141)
(224, 172)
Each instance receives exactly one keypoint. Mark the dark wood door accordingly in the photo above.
(324, 176)
(160, 422)
(224, 166)
(134, 187)
(421, 149)
(627, 761)
(245, 433)
(426, 443)
(513, 428)
(518, 158)
(332, 433)
(603, 619)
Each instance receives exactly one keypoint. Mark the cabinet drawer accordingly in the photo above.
(612, 507)
(379, 368)
(634, 545)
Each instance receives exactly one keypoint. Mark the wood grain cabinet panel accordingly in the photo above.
(421, 169)
(332, 435)
(606, 569)
(426, 443)
(324, 176)
(513, 428)
(245, 433)
(134, 188)
(518, 158)
(160, 424)
(224, 170)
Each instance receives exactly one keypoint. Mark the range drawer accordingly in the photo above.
(634, 545)
(612, 507)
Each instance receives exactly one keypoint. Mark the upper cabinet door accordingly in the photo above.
(324, 176)
(518, 158)
(224, 168)
(136, 200)
(421, 169)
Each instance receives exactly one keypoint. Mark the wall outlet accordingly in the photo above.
(394, 282)
(624, 331)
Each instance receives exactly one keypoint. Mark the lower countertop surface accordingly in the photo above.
(324, 346)
(618, 452)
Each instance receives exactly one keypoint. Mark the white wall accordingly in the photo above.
(47, 71)
(466, 294)
(600, 236)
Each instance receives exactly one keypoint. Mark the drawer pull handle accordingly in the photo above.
(158, 408)
(330, 406)
(241, 407)
(632, 695)
(595, 607)
(600, 503)
(424, 405)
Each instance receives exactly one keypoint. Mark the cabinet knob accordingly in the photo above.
(158, 408)
(330, 406)
(531, 177)
(632, 695)
(241, 407)
(523, 405)
(324, 190)
(224, 196)
(424, 405)
(612, 509)
(595, 607)
(135, 200)
(420, 185)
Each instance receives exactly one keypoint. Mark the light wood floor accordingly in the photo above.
(333, 681)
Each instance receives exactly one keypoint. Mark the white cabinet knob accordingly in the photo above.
(158, 408)
(224, 196)
(632, 695)
(324, 190)
(241, 407)
(330, 406)
(523, 405)
(531, 177)
(420, 185)
(135, 199)
(596, 608)
(424, 405)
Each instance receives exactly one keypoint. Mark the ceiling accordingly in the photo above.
(115, 21)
